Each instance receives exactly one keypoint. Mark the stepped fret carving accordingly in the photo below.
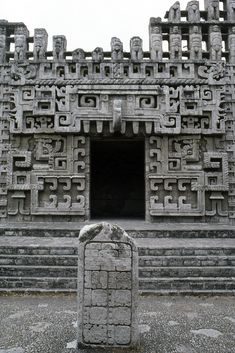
(179, 95)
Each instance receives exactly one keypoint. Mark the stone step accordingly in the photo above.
(36, 250)
(158, 292)
(39, 260)
(136, 229)
(38, 271)
(155, 285)
(146, 272)
(143, 251)
(166, 265)
(39, 283)
(189, 283)
(144, 261)
(184, 272)
(33, 290)
(195, 251)
(180, 261)
(191, 291)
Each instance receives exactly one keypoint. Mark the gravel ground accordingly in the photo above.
(168, 324)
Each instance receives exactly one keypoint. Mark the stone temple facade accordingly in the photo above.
(121, 134)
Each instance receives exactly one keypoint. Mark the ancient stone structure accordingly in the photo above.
(60, 111)
(107, 287)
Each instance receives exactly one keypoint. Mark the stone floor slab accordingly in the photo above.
(176, 324)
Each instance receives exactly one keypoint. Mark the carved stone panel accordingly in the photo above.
(179, 95)
(107, 288)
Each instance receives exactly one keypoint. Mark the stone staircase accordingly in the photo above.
(184, 266)
(33, 269)
(187, 270)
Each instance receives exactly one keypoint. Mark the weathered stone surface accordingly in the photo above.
(178, 97)
(182, 265)
(107, 287)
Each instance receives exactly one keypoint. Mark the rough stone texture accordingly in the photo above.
(107, 287)
(136, 229)
(180, 98)
(48, 324)
(166, 265)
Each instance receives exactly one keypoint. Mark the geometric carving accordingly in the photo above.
(58, 195)
(179, 97)
(216, 176)
(179, 195)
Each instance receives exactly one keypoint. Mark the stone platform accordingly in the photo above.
(48, 324)
(135, 228)
(174, 259)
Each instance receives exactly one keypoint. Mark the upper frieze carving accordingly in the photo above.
(184, 34)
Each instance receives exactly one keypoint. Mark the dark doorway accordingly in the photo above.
(117, 179)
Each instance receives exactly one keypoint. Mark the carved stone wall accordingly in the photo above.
(179, 95)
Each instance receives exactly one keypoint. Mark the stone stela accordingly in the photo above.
(164, 117)
(107, 287)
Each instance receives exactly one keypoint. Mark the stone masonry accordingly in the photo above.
(179, 97)
(107, 287)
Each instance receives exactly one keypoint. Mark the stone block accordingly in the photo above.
(122, 335)
(99, 297)
(119, 298)
(107, 287)
(120, 315)
(119, 280)
(95, 334)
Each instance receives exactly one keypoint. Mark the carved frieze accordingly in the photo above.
(179, 95)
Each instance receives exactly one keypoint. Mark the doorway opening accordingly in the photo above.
(117, 179)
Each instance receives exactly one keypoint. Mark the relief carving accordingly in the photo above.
(215, 43)
(230, 5)
(136, 44)
(155, 39)
(98, 54)
(174, 12)
(2, 46)
(20, 44)
(40, 44)
(59, 47)
(78, 55)
(117, 49)
(179, 96)
(175, 43)
(195, 43)
(193, 11)
(231, 40)
(213, 9)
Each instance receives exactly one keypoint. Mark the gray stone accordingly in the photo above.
(107, 287)
(177, 98)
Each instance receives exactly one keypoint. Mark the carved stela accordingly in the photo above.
(178, 97)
